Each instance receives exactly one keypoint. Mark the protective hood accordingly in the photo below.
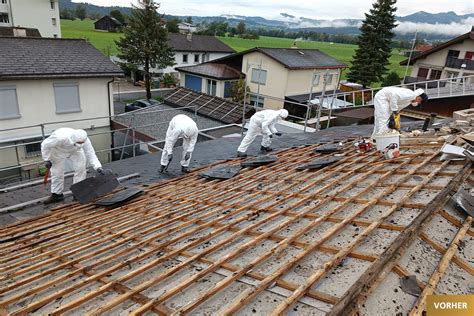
(283, 113)
(79, 136)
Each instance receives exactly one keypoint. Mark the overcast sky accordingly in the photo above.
(315, 9)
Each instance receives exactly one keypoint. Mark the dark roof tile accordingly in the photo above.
(198, 43)
(26, 57)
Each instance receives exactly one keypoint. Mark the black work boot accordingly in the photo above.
(241, 154)
(162, 168)
(54, 198)
(265, 149)
(184, 169)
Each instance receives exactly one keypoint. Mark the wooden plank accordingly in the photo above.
(364, 282)
(420, 304)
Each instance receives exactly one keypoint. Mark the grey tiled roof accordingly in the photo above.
(35, 58)
(198, 43)
(294, 58)
(211, 70)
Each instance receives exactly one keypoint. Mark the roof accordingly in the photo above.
(35, 58)
(459, 39)
(303, 98)
(293, 58)
(9, 31)
(359, 113)
(117, 22)
(212, 70)
(214, 107)
(307, 240)
(198, 43)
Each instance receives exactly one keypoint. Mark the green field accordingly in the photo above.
(104, 41)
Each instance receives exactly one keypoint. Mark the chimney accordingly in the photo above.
(189, 36)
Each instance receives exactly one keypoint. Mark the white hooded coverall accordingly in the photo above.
(62, 145)
(180, 126)
(262, 122)
(388, 100)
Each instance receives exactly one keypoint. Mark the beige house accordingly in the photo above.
(451, 59)
(39, 14)
(269, 72)
(46, 84)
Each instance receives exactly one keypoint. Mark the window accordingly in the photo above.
(316, 79)
(53, 21)
(453, 53)
(435, 74)
(4, 1)
(4, 18)
(67, 99)
(33, 150)
(196, 58)
(257, 101)
(211, 87)
(468, 55)
(259, 76)
(52, 5)
(329, 78)
(203, 57)
(422, 72)
(185, 58)
(8, 103)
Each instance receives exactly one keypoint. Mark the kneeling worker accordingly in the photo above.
(388, 102)
(262, 122)
(180, 126)
(67, 143)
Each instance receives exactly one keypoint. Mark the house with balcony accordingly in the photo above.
(451, 59)
(275, 74)
(45, 84)
(39, 14)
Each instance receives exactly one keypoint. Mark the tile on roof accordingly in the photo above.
(214, 107)
(34, 58)
(294, 58)
(217, 71)
(198, 43)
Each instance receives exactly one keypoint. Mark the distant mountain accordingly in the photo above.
(430, 26)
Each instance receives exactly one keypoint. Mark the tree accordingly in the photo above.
(392, 79)
(81, 11)
(371, 57)
(172, 25)
(66, 14)
(237, 90)
(116, 14)
(241, 28)
(189, 20)
(145, 41)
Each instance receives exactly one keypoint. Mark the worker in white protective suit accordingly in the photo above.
(262, 122)
(388, 102)
(67, 143)
(180, 126)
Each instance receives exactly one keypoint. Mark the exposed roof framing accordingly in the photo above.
(213, 246)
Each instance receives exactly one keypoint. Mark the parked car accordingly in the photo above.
(140, 104)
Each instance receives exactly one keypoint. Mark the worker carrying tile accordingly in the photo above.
(180, 126)
(388, 103)
(67, 143)
(262, 122)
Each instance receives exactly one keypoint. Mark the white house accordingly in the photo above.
(282, 73)
(451, 59)
(185, 28)
(192, 49)
(48, 83)
(40, 14)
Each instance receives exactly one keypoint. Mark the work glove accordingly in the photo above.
(391, 122)
(48, 164)
(278, 134)
(100, 171)
(187, 156)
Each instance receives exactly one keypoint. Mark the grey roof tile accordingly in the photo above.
(26, 57)
(198, 43)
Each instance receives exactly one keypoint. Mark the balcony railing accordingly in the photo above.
(458, 63)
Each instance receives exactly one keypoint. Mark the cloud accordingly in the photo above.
(452, 29)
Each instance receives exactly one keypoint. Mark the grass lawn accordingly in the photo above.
(105, 42)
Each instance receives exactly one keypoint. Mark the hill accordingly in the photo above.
(105, 42)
